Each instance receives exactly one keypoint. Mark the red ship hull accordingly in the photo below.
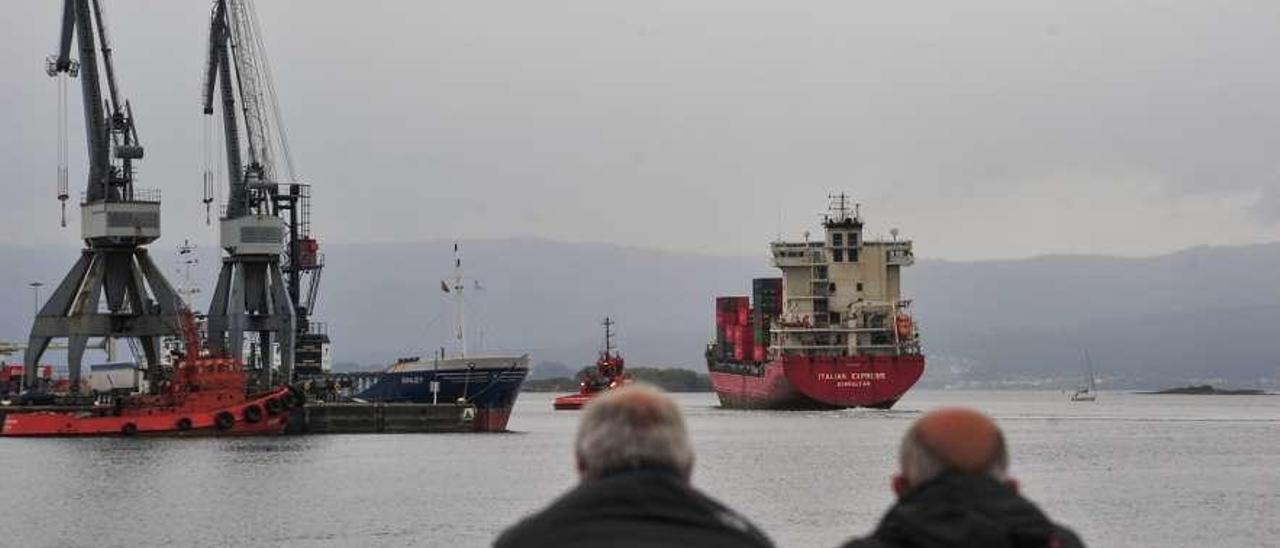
(254, 416)
(573, 401)
(799, 382)
(492, 419)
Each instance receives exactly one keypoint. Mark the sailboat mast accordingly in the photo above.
(1089, 363)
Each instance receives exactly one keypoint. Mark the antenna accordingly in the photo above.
(779, 238)
(839, 207)
(186, 257)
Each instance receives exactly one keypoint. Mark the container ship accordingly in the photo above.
(490, 383)
(832, 332)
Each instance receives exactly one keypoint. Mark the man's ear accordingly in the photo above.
(900, 485)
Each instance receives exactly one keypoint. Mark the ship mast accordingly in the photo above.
(608, 336)
(458, 301)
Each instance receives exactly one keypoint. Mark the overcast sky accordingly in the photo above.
(981, 129)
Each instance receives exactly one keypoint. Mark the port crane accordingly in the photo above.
(270, 274)
(116, 219)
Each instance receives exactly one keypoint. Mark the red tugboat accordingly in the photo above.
(609, 374)
(205, 395)
(833, 332)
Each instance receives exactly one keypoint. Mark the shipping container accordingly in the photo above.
(731, 305)
(746, 336)
(767, 295)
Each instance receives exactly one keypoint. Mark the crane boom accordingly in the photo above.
(218, 74)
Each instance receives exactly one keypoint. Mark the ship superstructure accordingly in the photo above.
(842, 295)
(832, 331)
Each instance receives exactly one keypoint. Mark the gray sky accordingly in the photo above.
(982, 129)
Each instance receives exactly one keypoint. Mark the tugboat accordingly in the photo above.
(206, 395)
(609, 374)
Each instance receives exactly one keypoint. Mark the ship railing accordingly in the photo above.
(812, 329)
(785, 347)
(137, 195)
(799, 256)
(338, 387)
(797, 245)
(900, 256)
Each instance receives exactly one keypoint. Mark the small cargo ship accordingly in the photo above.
(490, 383)
(610, 373)
(833, 332)
(204, 395)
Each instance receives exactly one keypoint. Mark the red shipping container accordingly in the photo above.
(731, 305)
(741, 352)
(760, 352)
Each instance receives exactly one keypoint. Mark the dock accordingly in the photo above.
(381, 418)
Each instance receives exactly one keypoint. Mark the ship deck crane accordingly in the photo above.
(265, 230)
(117, 219)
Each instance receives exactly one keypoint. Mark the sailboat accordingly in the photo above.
(1088, 392)
(490, 382)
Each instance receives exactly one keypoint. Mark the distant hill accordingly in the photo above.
(1204, 314)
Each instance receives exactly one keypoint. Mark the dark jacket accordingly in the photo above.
(634, 508)
(963, 510)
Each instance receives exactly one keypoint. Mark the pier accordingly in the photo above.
(381, 418)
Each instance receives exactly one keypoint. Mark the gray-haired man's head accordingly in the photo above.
(633, 427)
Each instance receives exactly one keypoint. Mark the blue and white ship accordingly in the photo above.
(489, 382)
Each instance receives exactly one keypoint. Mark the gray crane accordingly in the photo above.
(117, 219)
(266, 228)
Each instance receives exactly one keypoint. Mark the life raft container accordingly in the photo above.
(904, 326)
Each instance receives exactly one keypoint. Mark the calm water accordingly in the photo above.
(1126, 471)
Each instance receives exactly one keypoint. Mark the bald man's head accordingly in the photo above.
(951, 439)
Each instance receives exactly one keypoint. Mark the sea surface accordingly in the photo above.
(1128, 470)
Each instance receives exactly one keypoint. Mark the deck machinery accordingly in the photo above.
(117, 219)
(265, 228)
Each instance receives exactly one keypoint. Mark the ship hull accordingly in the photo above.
(491, 384)
(800, 382)
(258, 415)
(573, 401)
